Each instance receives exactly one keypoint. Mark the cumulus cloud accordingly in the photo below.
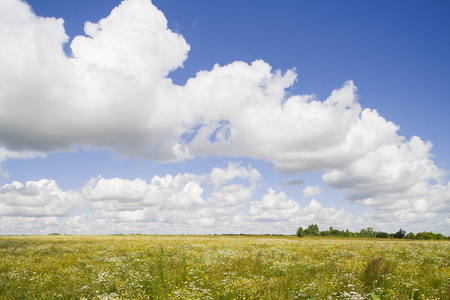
(171, 199)
(40, 198)
(170, 192)
(180, 203)
(311, 191)
(234, 170)
(134, 40)
(114, 94)
(283, 212)
(187, 203)
(395, 179)
(391, 168)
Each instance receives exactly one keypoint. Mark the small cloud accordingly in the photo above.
(292, 182)
(311, 191)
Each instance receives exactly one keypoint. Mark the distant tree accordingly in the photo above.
(420, 236)
(370, 232)
(347, 233)
(300, 232)
(336, 232)
(426, 236)
(411, 236)
(400, 234)
(314, 229)
(363, 233)
(382, 235)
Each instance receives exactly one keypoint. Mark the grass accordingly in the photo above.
(221, 267)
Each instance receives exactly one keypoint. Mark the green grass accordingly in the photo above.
(221, 267)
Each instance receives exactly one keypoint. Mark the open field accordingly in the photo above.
(221, 267)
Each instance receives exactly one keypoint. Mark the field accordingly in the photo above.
(221, 267)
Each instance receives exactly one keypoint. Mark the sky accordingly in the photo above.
(213, 117)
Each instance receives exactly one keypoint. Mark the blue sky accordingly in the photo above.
(254, 116)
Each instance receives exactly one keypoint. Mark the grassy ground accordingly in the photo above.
(221, 267)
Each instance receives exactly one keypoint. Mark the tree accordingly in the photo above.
(363, 233)
(411, 236)
(336, 232)
(314, 229)
(382, 235)
(426, 236)
(400, 234)
(300, 232)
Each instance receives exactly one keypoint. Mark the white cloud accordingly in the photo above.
(234, 187)
(133, 40)
(283, 212)
(232, 195)
(395, 180)
(277, 201)
(171, 199)
(191, 203)
(169, 192)
(29, 225)
(115, 189)
(164, 204)
(234, 170)
(113, 94)
(34, 76)
(311, 191)
(40, 198)
(391, 168)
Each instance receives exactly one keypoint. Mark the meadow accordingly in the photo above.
(221, 267)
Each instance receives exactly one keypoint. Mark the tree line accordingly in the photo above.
(313, 230)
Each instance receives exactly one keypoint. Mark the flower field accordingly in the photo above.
(221, 267)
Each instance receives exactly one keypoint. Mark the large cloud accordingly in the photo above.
(114, 94)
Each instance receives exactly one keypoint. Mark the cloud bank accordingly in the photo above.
(219, 201)
(114, 94)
